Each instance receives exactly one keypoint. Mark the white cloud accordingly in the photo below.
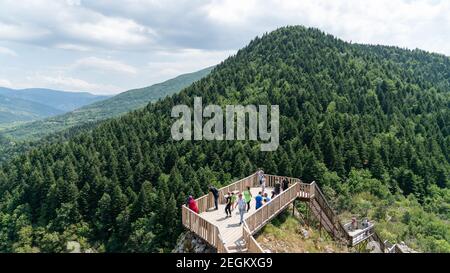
(167, 64)
(68, 83)
(5, 83)
(156, 40)
(220, 24)
(24, 33)
(114, 32)
(99, 64)
(417, 23)
(74, 47)
(7, 51)
(54, 22)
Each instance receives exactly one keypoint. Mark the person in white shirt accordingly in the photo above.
(263, 183)
(242, 206)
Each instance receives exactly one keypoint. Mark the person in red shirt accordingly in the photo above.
(193, 204)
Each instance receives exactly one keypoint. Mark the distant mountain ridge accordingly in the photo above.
(104, 109)
(16, 110)
(18, 106)
(62, 100)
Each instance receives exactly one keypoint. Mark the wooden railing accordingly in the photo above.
(251, 243)
(272, 179)
(205, 202)
(240, 185)
(338, 229)
(380, 242)
(362, 235)
(221, 248)
(392, 248)
(397, 249)
(365, 231)
(202, 228)
(205, 229)
(322, 218)
(210, 233)
(268, 211)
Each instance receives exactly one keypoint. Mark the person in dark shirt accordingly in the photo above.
(273, 195)
(277, 188)
(215, 193)
(285, 184)
(228, 205)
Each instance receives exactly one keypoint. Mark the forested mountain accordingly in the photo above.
(37, 103)
(62, 100)
(101, 110)
(18, 110)
(370, 122)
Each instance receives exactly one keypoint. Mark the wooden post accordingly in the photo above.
(307, 213)
(293, 208)
(320, 221)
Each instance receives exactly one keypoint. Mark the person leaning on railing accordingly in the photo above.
(215, 193)
(263, 183)
(193, 204)
(285, 184)
(277, 187)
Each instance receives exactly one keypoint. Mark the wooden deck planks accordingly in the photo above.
(229, 227)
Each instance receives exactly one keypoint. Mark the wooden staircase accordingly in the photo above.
(309, 193)
(327, 218)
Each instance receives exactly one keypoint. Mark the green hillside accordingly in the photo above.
(370, 124)
(15, 110)
(112, 107)
(19, 106)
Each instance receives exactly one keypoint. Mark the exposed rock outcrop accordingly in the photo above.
(188, 242)
(405, 248)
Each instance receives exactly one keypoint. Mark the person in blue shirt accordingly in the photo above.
(259, 200)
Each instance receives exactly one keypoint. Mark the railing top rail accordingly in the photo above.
(359, 224)
(363, 231)
(238, 181)
(317, 188)
(275, 198)
(206, 220)
(297, 180)
(224, 187)
(250, 176)
(246, 226)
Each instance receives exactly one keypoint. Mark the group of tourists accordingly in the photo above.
(242, 201)
(279, 185)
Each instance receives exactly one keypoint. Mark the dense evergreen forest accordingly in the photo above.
(370, 124)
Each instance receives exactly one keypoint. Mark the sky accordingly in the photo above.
(108, 46)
